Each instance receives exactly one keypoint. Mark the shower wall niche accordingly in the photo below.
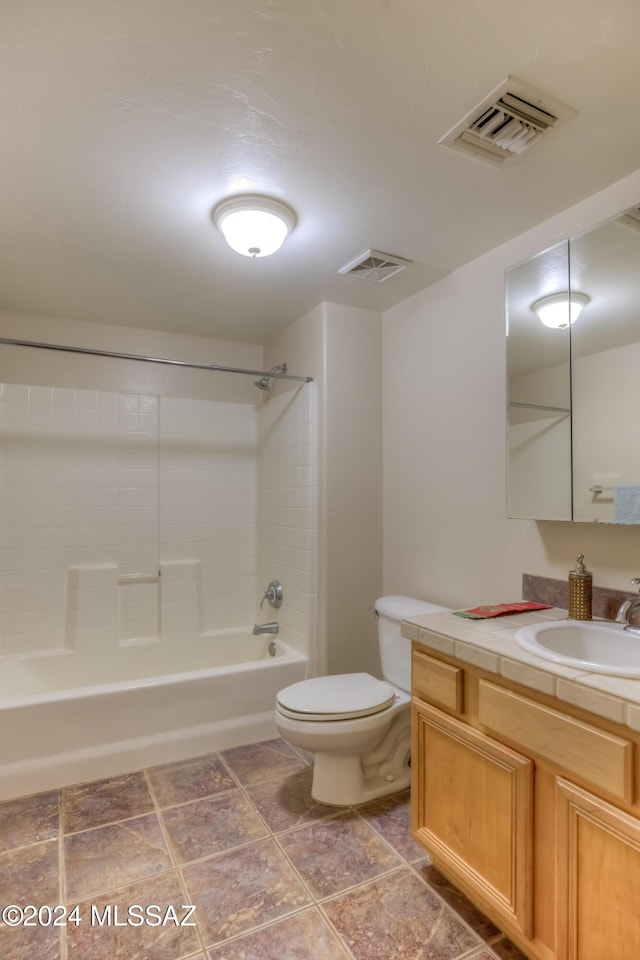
(129, 519)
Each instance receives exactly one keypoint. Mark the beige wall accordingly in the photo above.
(341, 348)
(52, 368)
(446, 536)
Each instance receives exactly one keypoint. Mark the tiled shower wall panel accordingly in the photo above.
(79, 484)
(208, 512)
(99, 486)
(287, 511)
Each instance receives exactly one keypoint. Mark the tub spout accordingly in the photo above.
(271, 627)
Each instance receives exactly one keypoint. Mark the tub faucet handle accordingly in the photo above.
(273, 594)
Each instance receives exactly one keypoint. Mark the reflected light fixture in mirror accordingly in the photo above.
(254, 226)
(554, 311)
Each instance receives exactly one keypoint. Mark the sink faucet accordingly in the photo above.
(273, 626)
(627, 608)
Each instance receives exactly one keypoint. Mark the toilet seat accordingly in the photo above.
(340, 697)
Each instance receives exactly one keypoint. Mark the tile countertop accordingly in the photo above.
(491, 645)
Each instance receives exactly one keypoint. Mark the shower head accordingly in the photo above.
(264, 382)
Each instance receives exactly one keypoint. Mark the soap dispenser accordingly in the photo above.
(580, 589)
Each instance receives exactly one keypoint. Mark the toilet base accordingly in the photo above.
(355, 760)
(342, 782)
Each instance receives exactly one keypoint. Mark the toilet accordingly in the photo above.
(358, 727)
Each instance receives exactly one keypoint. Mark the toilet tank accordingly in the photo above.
(395, 650)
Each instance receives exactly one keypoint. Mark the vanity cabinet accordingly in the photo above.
(598, 876)
(529, 806)
(474, 811)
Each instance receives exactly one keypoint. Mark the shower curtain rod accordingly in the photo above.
(8, 341)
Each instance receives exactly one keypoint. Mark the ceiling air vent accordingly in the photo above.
(507, 122)
(631, 218)
(375, 266)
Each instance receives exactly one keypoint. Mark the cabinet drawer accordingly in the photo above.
(437, 682)
(603, 759)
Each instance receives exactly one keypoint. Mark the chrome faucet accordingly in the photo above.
(273, 627)
(627, 608)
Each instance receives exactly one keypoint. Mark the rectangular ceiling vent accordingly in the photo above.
(631, 218)
(374, 266)
(509, 120)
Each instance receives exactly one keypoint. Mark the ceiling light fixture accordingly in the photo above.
(560, 310)
(254, 226)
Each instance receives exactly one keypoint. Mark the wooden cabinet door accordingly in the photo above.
(598, 876)
(472, 808)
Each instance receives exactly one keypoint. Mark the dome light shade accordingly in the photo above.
(560, 310)
(254, 226)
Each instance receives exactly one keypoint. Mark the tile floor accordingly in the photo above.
(273, 875)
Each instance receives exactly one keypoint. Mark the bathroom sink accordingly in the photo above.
(589, 645)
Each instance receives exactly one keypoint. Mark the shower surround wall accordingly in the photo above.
(287, 513)
(79, 504)
(208, 479)
(102, 490)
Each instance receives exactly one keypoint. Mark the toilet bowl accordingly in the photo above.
(358, 727)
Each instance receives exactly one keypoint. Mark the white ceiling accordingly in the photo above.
(124, 123)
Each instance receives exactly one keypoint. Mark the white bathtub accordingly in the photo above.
(69, 717)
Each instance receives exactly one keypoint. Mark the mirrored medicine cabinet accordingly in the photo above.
(573, 378)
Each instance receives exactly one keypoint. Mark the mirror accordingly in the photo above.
(574, 390)
(539, 393)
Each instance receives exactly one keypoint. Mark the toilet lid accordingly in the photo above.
(340, 697)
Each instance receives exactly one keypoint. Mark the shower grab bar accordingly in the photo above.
(124, 578)
(9, 341)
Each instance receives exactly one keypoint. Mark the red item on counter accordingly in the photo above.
(501, 610)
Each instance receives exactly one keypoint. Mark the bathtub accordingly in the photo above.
(71, 716)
